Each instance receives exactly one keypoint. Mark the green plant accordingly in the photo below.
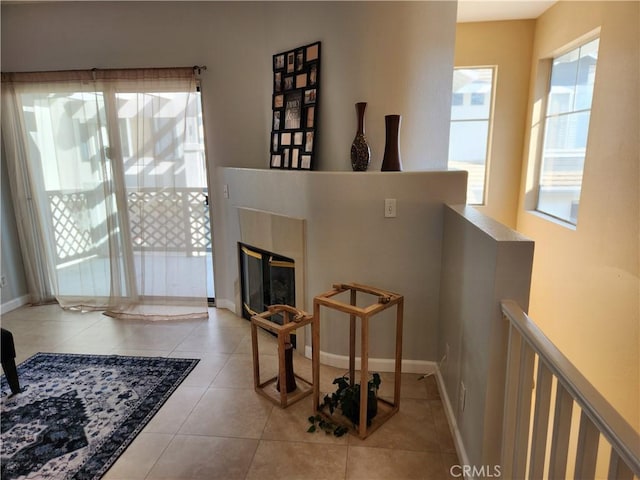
(346, 399)
(328, 427)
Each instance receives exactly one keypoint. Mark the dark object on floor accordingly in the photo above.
(8, 354)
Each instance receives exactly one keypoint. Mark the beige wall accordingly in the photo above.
(506, 45)
(483, 262)
(397, 56)
(585, 289)
(348, 239)
(13, 294)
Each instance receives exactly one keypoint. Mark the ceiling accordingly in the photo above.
(483, 10)
(468, 10)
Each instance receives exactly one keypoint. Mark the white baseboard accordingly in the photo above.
(13, 304)
(453, 425)
(375, 364)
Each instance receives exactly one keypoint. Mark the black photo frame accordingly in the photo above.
(296, 87)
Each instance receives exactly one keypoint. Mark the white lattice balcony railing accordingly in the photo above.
(70, 221)
(536, 433)
(174, 220)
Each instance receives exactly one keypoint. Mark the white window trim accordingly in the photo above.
(538, 125)
(490, 126)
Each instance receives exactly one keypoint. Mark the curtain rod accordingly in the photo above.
(196, 68)
(102, 74)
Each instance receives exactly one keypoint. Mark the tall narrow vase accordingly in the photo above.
(290, 379)
(391, 162)
(360, 151)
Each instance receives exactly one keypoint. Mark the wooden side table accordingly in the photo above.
(385, 300)
(293, 319)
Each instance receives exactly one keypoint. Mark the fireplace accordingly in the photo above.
(266, 278)
(281, 239)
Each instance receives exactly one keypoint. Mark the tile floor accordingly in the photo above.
(215, 426)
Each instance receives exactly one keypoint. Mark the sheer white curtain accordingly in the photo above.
(107, 172)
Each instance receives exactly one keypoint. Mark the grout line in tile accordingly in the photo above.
(173, 437)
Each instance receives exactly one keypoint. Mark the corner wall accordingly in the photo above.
(483, 263)
(397, 56)
(349, 240)
(14, 294)
(586, 280)
(508, 46)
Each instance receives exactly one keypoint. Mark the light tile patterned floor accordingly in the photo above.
(216, 427)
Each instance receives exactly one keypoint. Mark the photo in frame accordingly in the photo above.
(296, 87)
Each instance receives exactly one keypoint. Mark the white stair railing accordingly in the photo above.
(529, 449)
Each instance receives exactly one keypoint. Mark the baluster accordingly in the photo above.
(599, 420)
(525, 387)
(587, 454)
(618, 470)
(540, 421)
(510, 401)
(560, 436)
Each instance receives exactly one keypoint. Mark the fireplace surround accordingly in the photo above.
(283, 238)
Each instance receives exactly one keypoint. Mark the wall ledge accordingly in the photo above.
(494, 229)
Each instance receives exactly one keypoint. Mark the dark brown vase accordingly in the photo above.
(360, 151)
(391, 161)
(288, 370)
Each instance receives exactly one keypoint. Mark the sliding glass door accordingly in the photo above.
(169, 227)
(115, 178)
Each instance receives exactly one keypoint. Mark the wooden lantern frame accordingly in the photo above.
(386, 300)
(293, 319)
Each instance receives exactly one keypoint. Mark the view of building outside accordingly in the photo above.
(471, 110)
(566, 132)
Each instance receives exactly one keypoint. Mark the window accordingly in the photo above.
(115, 167)
(471, 110)
(566, 127)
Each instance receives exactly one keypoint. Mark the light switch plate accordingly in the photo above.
(390, 207)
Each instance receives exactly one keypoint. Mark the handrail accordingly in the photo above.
(622, 437)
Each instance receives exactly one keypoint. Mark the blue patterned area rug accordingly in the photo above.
(78, 413)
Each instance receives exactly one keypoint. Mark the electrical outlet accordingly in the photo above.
(3, 281)
(225, 190)
(389, 207)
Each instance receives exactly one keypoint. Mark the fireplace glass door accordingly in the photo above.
(267, 279)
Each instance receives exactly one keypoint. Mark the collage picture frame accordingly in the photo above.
(296, 81)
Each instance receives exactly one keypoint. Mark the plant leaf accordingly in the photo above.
(340, 431)
(311, 429)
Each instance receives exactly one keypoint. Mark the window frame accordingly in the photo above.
(490, 125)
(545, 74)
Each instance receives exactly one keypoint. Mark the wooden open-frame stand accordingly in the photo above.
(385, 300)
(293, 319)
